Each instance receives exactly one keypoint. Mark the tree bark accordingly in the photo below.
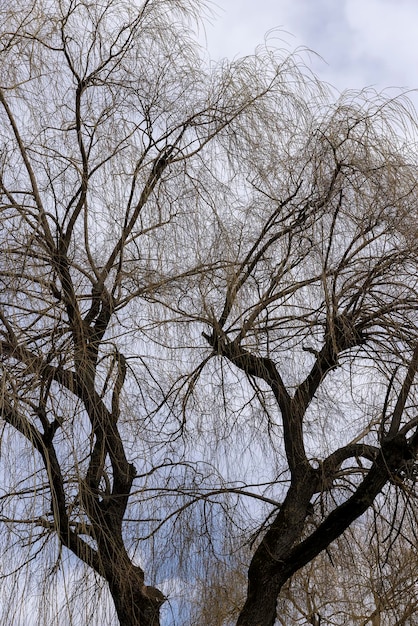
(135, 603)
(283, 550)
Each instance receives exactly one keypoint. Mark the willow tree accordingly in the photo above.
(320, 317)
(208, 312)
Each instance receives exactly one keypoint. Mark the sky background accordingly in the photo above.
(362, 43)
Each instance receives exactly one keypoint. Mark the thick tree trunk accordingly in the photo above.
(260, 608)
(283, 549)
(136, 606)
(269, 567)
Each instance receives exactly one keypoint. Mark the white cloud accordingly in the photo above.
(385, 31)
(363, 42)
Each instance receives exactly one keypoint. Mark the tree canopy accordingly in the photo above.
(208, 319)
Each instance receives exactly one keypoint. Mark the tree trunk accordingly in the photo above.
(283, 550)
(136, 606)
(270, 567)
(130, 612)
(260, 608)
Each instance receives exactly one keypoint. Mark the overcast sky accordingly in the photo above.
(362, 42)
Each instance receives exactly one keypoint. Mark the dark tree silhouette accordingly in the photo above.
(208, 312)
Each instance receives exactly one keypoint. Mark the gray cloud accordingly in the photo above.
(362, 42)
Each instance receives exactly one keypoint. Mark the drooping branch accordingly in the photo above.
(394, 454)
(403, 394)
(42, 444)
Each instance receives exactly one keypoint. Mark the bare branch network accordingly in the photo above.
(208, 329)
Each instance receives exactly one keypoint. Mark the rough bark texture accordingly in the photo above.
(283, 551)
(148, 199)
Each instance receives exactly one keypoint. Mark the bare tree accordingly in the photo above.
(319, 317)
(367, 577)
(362, 579)
(102, 107)
(208, 309)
